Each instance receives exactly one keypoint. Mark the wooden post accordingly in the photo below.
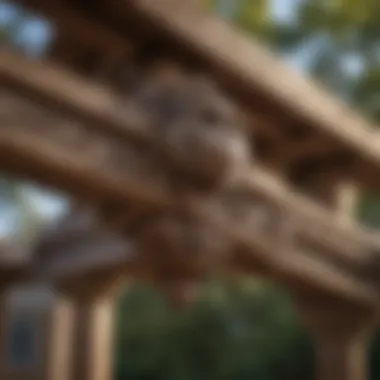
(3, 317)
(60, 341)
(340, 332)
(93, 300)
(343, 359)
(93, 343)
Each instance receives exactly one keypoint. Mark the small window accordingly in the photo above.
(22, 342)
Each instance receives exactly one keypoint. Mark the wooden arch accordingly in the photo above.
(77, 134)
(39, 143)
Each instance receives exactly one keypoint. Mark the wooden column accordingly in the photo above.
(340, 333)
(3, 321)
(93, 300)
(93, 343)
(60, 341)
(341, 359)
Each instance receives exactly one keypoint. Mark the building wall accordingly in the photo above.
(27, 327)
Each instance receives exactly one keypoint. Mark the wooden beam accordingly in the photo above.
(93, 343)
(34, 147)
(288, 152)
(251, 67)
(55, 165)
(71, 93)
(247, 64)
(86, 258)
(58, 360)
(41, 139)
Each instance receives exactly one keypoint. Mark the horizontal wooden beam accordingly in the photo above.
(249, 67)
(71, 93)
(246, 63)
(287, 153)
(287, 264)
(85, 259)
(67, 132)
(46, 128)
(283, 262)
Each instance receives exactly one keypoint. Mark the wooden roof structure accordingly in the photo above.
(77, 245)
(47, 158)
(309, 132)
(71, 94)
(68, 122)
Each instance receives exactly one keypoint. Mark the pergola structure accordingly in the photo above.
(128, 89)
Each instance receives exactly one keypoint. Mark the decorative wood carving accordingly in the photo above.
(181, 137)
(243, 65)
(115, 159)
(254, 85)
(197, 127)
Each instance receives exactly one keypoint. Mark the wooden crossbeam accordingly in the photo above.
(111, 44)
(238, 63)
(86, 259)
(297, 269)
(64, 110)
(249, 66)
(290, 267)
(294, 267)
(46, 149)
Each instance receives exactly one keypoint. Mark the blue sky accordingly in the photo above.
(284, 9)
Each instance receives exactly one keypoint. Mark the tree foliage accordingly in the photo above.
(232, 332)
